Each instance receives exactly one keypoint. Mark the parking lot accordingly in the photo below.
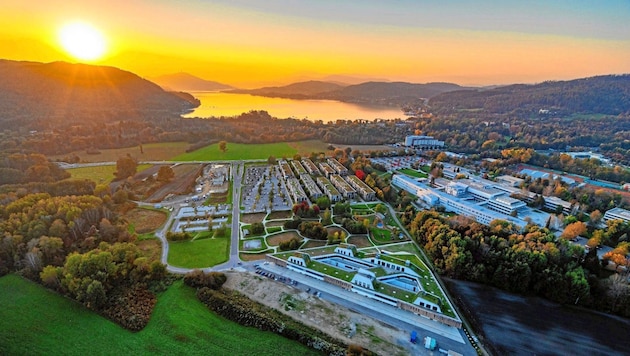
(264, 190)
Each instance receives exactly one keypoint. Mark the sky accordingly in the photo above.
(251, 43)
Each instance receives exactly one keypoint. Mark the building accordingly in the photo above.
(327, 169)
(295, 190)
(285, 169)
(313, 190)
(299, 170)
(544, 175)
(554, 203)
(423, 142)
(338, 167)
(310, 167)
(363, 189)
(511, 181)
(346, 189)
(329, 189)
(617, 214)
(478, 200)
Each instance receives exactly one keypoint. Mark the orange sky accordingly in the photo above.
(250, 43)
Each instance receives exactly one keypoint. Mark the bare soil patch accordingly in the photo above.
(185, 175)
(280, 215)
(252, 218)
(151, 248)
(359, 241)
(275, 223)
(275, 240)
(320, 314)
(254, 256)
(145, 220)
(314, 243)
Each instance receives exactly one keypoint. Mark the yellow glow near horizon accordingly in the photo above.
(82, 41)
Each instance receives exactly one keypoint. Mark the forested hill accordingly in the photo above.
(188, 82)
(394, 93)
(49, 94)
(300, 90)
(595, 95)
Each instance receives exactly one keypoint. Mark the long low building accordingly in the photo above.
(456, 198)
(310, 167)
(329, 189)
(346, 189)
(423, 142)
(313, 190)
(363, 189)
(617, 214)
(295, 190)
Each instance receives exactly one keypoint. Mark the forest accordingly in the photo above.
(531, 262)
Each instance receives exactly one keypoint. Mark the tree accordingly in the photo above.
(327, 218)
(595, 218)
(125, 167)
(323, 202)
(271, 160)
(297, 157)
(223, 146)
(574, 230)
(165, 174)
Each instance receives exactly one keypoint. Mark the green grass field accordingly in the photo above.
(413, 173)
(99, 174)
(199, 253)
(238, 151)
(36, 321)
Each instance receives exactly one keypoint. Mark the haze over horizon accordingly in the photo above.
(249, 43)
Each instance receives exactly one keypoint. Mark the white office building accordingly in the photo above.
(423, 142)
(617, 214)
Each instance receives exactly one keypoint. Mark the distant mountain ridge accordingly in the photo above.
(295, 90)
(608, 94)
(62, 93)
(188, 82)
(371, 92)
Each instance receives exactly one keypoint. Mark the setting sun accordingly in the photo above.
(82, 41)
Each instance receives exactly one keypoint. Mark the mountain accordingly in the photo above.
(395, 93)
(188, 82)
(398, 92)
(62, 93)
(608, 95)
(301, 90)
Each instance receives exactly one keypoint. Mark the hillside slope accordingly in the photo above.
(188, 82)
(595, 95)
(46, 94)
(300, 90)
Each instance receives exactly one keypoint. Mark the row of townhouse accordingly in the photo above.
(329, 189)
(285, 169)
(338, 167)
(299, 170)
(313, 190)
(363, 189)
(326, 169)
(295, 190)
(310, 167)
(346, 189)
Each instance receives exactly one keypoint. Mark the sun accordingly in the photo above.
(82, 41)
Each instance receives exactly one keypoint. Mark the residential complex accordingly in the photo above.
(346, 189)
(363, 189)
(338, 167)
(329, 189)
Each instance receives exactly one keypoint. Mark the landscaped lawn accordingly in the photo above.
(199, 253)
(36, 321)
(238, 151)
(413, 173)
(381, 235)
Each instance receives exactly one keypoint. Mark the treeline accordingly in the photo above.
(251, 127)
(17, 168)
(529, 262)
(485, 135)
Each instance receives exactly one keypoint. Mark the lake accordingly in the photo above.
(219, 104)
(517, 325)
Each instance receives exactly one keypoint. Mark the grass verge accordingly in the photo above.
(36, 321)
